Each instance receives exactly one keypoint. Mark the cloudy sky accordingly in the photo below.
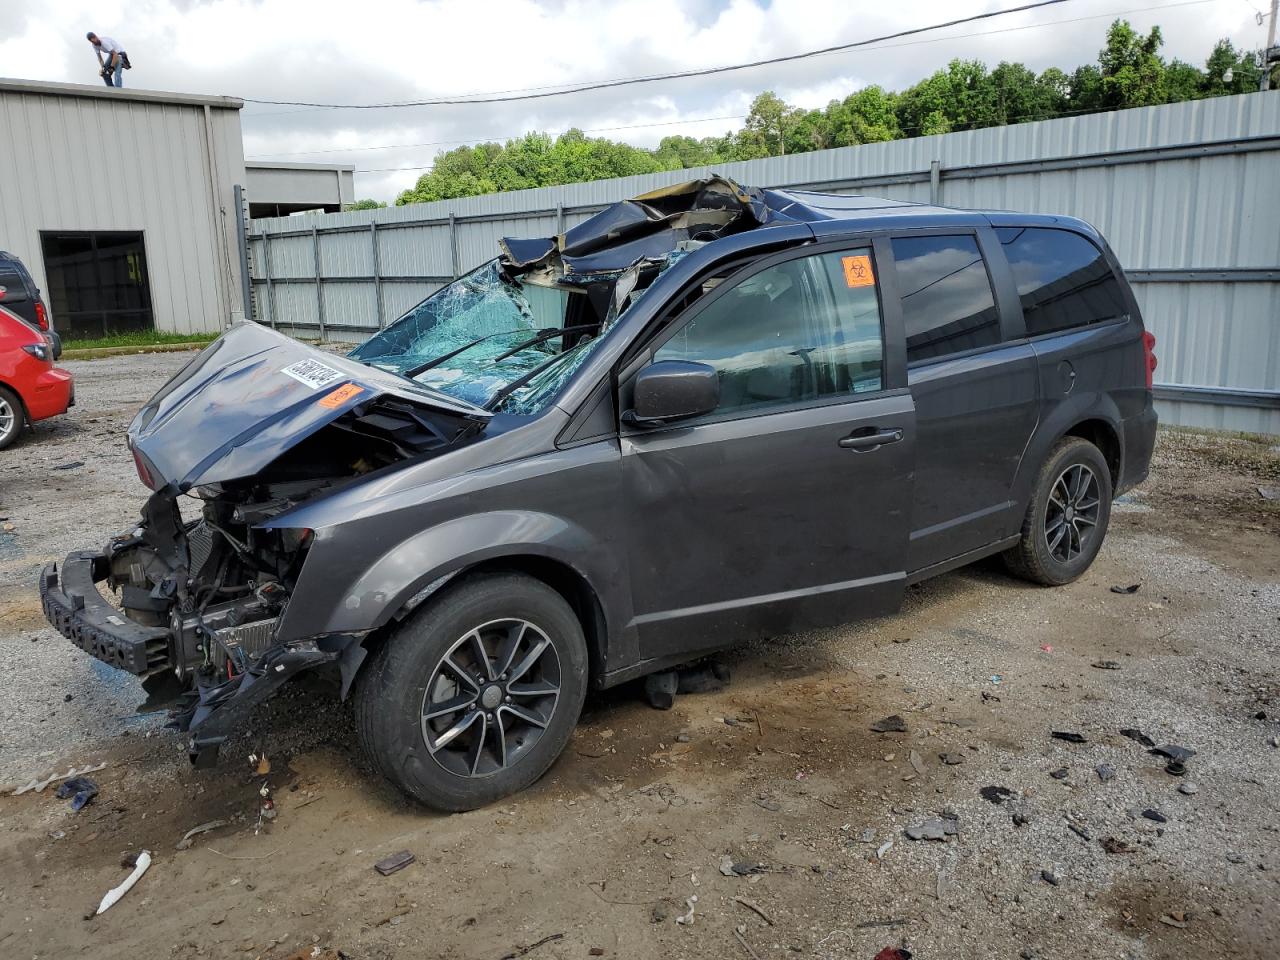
(365, 51)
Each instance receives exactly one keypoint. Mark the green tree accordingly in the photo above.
(768, 123)
(365, 204)
(864, 117)
(1133, 75)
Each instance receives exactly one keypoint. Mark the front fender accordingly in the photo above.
(322, 604)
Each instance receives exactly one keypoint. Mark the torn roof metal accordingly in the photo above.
(651, 226)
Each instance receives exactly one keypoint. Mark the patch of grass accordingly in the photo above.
(144, 338)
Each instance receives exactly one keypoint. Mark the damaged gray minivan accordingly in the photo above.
(705, 414)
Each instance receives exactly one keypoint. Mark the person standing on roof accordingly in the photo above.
(115, 62)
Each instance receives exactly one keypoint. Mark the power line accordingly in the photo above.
(706, 71)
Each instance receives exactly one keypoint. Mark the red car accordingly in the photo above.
(31, 387)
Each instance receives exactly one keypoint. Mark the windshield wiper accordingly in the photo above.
(435, 362)
(519, 382)
(550, 333)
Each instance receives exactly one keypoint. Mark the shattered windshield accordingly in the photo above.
(489, 340)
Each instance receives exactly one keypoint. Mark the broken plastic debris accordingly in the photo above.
(1173, 752)
(39, 785)
(1137, 735)
(687, 919)
(115, 893)
(1131, 588)
(996, 795)
(80, 789)
(1106, 664)
(190, 835)
(397, 861)
(1067, 736)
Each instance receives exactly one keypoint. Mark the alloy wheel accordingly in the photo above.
(1072, 514)
(491, 697)
(8, 418)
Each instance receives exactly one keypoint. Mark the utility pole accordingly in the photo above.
(1271, 54)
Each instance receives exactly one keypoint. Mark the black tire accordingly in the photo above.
(406, 695)
(13, 417)
(1062, 532)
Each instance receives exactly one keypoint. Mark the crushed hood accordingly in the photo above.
(253, 394)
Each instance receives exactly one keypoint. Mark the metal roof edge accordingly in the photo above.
(44, 88)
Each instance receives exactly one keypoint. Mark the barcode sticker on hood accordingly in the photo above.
(312, 372)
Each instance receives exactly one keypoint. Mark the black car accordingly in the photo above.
(19, 293)
(708, 413)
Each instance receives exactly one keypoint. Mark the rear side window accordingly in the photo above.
(805, 329)
(947, 303)
(1062, 278)
(14, 285)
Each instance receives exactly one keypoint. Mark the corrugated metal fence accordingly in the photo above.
(1188, 195)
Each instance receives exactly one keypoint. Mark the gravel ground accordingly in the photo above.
(780, 772)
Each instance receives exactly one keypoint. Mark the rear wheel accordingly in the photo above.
(1067, 517)
(475, 696)
(12, 417)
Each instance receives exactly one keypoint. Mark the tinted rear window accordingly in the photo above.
(1062, 279)
(947, 304)
(14, 284)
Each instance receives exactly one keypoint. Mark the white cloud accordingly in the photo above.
(385, 50)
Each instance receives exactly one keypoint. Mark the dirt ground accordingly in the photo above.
(780, 773)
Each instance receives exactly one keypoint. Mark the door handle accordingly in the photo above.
(871, 441)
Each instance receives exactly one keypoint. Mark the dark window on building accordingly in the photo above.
(947, 303)
(1062, 278)
(97, 283)
(805, 329)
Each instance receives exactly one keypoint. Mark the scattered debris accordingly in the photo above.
(1233, 857)
(1052, 876)
(139, 864)
(893, 953)
(987, 695)
(1068, 736)
(1079, 830)
(78, 463)
(1106, 772)
(1188, 788)
(996, 678)
(1106, 664)
(1131, 588)
(522, 951)
(1060, 774)
(190, 835)
(893, 724)
(996, 795)
(39, 785)
(397, 861)
(726, 866)
(1174, 919)
(1269, 493)
(1133, 733)
(266, 808)
(917, 764)
(261, 765)
(934, 829)
(883, 849)
(951, 759)
(705, 677)
(738, 931)
(1155, 815)
(1046, 648)
(756, 908)
(1173, 752)
(1021, 817)
(687, 918)
(1175, 768)
(1115, 845)
(874, 924)
(80, 789)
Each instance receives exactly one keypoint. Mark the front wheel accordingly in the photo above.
(1067, 517)
(476, 695)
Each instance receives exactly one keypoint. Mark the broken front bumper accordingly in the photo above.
(214, 702)
(77, 610)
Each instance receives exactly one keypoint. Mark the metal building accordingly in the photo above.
(281, 189)
(123, 204)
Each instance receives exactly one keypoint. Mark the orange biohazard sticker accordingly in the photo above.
(857, 271)
(340, 396)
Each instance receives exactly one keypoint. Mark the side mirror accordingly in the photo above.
(674, 390)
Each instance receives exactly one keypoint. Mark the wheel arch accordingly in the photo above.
(1103, 435)
(570, 584)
